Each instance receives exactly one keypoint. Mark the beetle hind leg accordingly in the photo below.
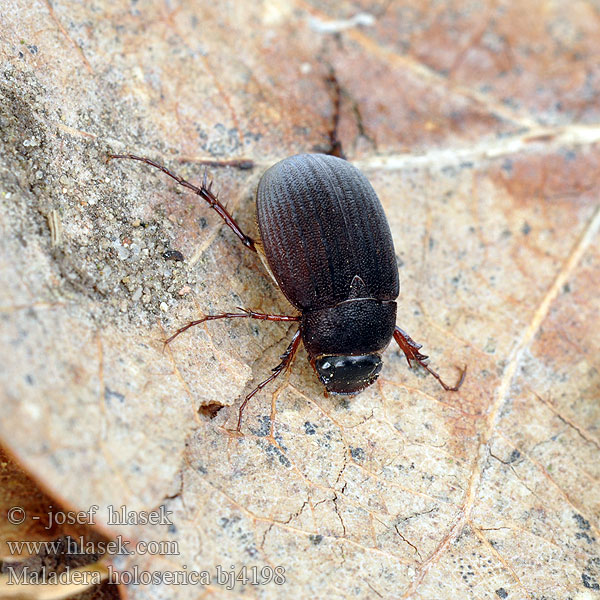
(204, 191)
(335, 145)
(411, 351)
(286, 358)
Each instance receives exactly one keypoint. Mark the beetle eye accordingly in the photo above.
(348, 374)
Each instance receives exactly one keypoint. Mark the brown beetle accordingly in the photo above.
(327, 243)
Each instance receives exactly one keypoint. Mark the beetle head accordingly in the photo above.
(348, 374)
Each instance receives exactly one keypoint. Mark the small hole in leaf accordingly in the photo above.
(209, 411)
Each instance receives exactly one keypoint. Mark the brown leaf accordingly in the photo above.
(40, 541)
(478, 127)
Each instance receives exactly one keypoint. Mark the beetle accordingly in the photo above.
(325, 240)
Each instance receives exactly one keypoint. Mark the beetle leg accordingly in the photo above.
(286, 360)
(204, 192)
(245, 314)
(411, 351)
(335, 145)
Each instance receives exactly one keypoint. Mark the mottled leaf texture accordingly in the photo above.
(477, 123)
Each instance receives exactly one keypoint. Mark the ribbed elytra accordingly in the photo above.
(321, 225)
(327, 243)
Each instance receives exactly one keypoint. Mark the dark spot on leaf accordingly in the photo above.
(110, 394)
(357, 453)
(279, 440)
(309, 428)
(589, 583)
(514, 455)
(526, 228)
(315, 539)
(501, 593)
(275, 451)
(581, 522)
(590, 575)
(264, 428)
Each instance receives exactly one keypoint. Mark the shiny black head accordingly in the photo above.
(348, 374)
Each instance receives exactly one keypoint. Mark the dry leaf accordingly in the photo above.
(36, 547)
(478, 127)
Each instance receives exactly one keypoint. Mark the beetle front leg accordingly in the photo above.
(411, 351)
(205, 192)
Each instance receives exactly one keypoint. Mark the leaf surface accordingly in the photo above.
(477, 125)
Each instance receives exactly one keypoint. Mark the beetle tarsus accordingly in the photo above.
(448, 388)
(411, 351)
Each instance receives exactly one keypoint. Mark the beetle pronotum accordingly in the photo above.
(327, 243)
